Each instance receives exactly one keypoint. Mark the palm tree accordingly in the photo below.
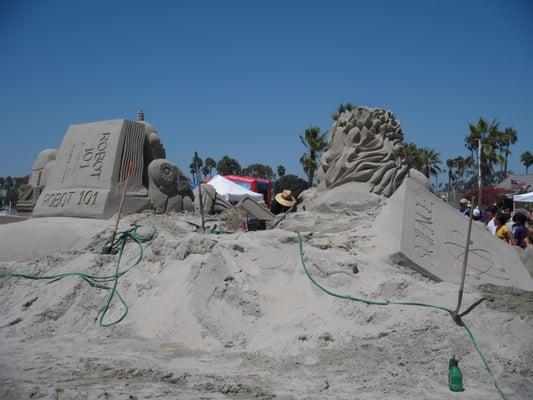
(527, 159)
(315, 141)
(430, 160)
(489, 135)
(280, 170)
(205, 171)
(196, 167)
(210, 164)
(342, 107)
(482, 141)
(508, 137)
(412, 153)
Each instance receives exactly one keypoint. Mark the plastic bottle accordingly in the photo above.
(455, 378)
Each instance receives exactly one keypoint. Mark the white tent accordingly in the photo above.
(232, 191)
(524, 198)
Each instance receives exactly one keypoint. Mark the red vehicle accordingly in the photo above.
(258, 185)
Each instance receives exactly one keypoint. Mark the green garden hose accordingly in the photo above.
(100, 281)
(404, 303)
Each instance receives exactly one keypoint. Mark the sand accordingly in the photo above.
(233, 316)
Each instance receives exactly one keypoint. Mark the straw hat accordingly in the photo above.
(285, 198)
(463, 201)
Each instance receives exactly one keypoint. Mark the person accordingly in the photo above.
(283, 202)
(476, 214)
(491, 218)
(519, 231)
(502, 230)
(464, 207)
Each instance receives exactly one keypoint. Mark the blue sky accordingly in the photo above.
(245, 78)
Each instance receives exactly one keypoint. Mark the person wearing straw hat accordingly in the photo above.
(464, 207)
(283, 202)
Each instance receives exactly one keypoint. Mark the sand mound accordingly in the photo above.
(234, 316)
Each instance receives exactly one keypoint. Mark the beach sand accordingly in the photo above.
(233, 316)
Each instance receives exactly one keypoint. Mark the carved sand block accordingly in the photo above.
(432, 238)
(91, 167)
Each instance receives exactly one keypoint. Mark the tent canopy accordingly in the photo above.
(524, 198)
(232, 191)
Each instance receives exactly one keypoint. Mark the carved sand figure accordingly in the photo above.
(91, 168)
(365, 146)
(38, 178)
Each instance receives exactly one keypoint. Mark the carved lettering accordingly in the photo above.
(424, 240)
(64, 198)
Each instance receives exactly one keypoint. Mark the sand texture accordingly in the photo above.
(233, 316)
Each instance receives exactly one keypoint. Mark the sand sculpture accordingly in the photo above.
(168, 188)
(92, 165)
(38, 178)
(211, 201)
(420, 231)
(365, 146)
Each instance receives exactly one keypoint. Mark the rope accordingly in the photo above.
(460, 322)
(100, 281)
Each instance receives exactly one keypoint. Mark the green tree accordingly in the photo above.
(489, 135)
(195, 167)
(228, 166)
(210, 164)
(430, 161)
(508, 137)
(527, 159)
(205, 171)
(413, 156)
(315, 142)
(259, 171)
(280, 170)
(342, 107)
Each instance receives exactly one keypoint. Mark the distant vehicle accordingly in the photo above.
(257, 185)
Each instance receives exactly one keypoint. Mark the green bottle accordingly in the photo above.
(455, 378)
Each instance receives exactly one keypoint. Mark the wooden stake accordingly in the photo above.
(465, 260)
(109, 248)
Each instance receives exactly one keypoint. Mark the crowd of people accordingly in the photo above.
(514, 227)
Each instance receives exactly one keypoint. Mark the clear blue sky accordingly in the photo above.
(245, 78)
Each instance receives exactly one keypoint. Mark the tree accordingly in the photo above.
(10, 183)
(489, 136)
(527, 159)
(429, 161)
(210, 164)
(508, 137)
(315, 142)
(412, 154)
(290, 182)
(482, 142)
(228, 166)
(280, 170)
(195, 167)
(259, 171)
(342, 107)
(205, 171)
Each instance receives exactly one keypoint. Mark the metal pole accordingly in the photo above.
(480, 180)
(198, 179)
(465, 261)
